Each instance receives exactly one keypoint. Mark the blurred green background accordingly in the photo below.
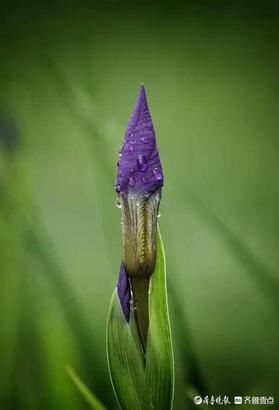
(69, 79)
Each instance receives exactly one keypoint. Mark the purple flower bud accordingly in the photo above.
(124, 293)
(138, 184)
(139, 153)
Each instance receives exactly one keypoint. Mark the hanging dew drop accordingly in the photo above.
(157, 174)
(150, 287)
(133, 304)
(118, 188)
(158, 196)
(118, 202)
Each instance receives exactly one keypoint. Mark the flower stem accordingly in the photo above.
(140, 287)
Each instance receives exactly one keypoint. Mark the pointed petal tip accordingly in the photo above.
(141, 108)
(141, 99)
(142, 88)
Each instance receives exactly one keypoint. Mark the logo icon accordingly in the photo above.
(197, 400)
(237, 400)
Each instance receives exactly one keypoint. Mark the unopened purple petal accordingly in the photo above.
(139, 168)
(124, 292)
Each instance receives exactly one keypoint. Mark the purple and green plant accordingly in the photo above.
(139, 346)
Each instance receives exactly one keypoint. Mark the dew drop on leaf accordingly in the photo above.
(118, 202)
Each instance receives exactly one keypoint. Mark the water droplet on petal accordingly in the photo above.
(158, 196)
(118, 202)
(142, 163)
(144, 180)
(132, 170)
(144, 140)
(118, 188)
(134, 305)
(159, 214)
(131, 181)
(130, 149)
(157, 174)
(134, 141)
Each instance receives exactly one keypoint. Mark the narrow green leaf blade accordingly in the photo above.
(124, 358)
(159, 372)
(84, 390)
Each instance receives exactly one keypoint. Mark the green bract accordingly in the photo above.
(143, 381)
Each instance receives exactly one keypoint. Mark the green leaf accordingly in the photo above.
(143, 383)
(124, 358)
(159, 377)
(85, 392)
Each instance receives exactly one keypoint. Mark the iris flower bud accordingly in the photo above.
(138, 185)
(139, 182)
